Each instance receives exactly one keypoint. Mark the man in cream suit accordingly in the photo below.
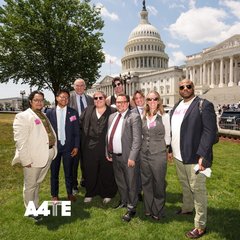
(35, 147)
(123, 145)
(79, 101)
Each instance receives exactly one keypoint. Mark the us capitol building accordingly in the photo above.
(215, 71)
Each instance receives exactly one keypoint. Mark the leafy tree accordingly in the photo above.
(49, 43)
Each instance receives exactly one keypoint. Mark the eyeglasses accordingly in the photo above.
(185, 86)
(96, 98)
(121, 102)
(38, 100)
(152, 99)
(117, 84)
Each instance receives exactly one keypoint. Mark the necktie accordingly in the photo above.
(110, 142)
(62, 128)
(81, 104)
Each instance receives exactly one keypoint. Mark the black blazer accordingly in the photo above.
(72, 129)
(198, 133)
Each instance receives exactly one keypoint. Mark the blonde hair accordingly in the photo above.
(159, 107)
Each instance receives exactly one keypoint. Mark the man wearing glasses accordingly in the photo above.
(193, 135)
(118, 89)
(124, 139)
(79, 101)
(65, 122)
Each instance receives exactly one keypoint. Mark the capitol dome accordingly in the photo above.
(144, 51)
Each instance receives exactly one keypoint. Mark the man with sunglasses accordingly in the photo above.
(193, 135)
(118, 89)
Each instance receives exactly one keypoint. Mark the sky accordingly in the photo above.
(186, 27)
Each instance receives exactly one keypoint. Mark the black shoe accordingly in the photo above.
(120, 205)
(140, 198)
(128, 216)
(82, 182)
(35, 218)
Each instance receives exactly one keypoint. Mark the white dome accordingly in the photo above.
(144, 30)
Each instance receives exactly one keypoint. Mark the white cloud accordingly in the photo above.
(176, 5)
(177, 58)
(234, 6)
(152, 10)
(201, 25)
(192, 4)
(105, 13)
(172, 45)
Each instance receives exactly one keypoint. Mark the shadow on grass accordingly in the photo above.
(222, 221)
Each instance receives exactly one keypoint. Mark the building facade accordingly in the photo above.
(215, 71)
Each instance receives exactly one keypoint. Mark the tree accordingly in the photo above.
(49, 43)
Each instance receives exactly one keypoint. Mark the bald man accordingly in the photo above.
(79, 101)
(193, 135)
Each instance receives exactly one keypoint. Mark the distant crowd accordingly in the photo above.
(228, 107)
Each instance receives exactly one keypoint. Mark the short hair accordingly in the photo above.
(115, 80)
(62, 91)
(104, 95)
(32, 94)
(124, 95)
(138, 92)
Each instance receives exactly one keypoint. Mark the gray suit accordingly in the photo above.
(73, 100)
(126, 177)
(154, 167)
(73, 104)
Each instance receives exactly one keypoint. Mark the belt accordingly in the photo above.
(118, 154)
(50, 146)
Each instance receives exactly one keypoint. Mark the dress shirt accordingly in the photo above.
(117, 138)
(59, 115)
(84, 100)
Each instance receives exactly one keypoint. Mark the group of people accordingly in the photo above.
(122, 144)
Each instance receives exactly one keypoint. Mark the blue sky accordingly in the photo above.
(185, 26)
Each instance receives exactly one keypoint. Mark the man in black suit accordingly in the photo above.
(65, 121)
(79, 101)
(193, 135)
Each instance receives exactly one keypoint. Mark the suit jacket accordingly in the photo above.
(131, 135)
(32, 143)
(197, 133)
(72, 129)
(73, 100)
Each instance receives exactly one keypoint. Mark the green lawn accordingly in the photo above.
(96, 221)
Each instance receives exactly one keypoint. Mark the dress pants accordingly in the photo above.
(194, 192)
(68, 171)
(99, 176)
(153, 174)
(32, 179)
(127, 181)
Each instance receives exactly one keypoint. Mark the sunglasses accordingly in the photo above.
(96, 98)
(185, 86)
(116, 85)
(152, 99)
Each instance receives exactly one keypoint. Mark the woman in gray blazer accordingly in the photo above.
(156, 137)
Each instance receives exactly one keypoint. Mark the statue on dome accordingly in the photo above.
(144, 5)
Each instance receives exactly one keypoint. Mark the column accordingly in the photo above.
(193, 74)
(187, 73)
(204, 74)
(208, 75)
(212, 74)
(221, 73)
(231, 83)
(201, 75)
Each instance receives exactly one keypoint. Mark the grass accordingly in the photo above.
(96, 221)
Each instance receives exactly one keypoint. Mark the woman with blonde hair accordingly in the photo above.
(153, 154)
